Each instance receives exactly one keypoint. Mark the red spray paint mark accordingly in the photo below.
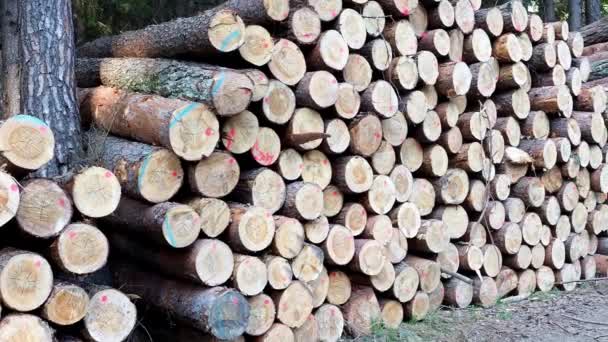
(334, 13)
(42, 129)
(231, 161)
(108, 174)
(325, 161)
(61, 202)
(266, 301)
(377, 135)
(335, 193)
(301, 166)
(72, 235)
(230, 138)
(174, 173)
(37, 263)
(14, 188)
(209, 131)
(104, 298)
(235, 301)
(406, 11)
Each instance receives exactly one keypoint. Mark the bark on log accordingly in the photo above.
(171, 224)
(218, 311)
(226, 91)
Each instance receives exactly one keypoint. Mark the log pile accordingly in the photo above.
(304, 169)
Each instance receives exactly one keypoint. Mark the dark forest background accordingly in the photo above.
(94, 18)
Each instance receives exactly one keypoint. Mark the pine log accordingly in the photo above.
(80, 249)
(9, 198)
(220, 29)
(279, 272)
(451, 140)
(208, 262)
(455, 218)
(339, 247)
(418, 307)
(171, 224)
(239, 132)
(470, 158)
(339, 288)
(194, 306)
(395, 129)
(513, 103)
(566, 275)
(485, 292)
(526, 283)
(144, 172)
(454, 79)
(27, 279)
(592, 99)
(464, 15)
(544, 57)
(262, 315)
(535, 27)
(521, 260)
(545, 279)
(44, 209)
(361, 310)
(449, 260)
(530, 190)
(210, 85)
(25, 327)
(458, 293)
(432, 237)
(26, 142)
(510, 130)
(508, 238)
(369, 257)
(67, 304)
(506, 281)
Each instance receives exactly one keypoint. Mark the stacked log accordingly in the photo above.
(336, 169)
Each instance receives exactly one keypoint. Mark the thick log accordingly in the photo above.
(80, 249)
(490, 20)
(464, 15)
(454, 79)
(171, 224)
(530, 190)
(441, 16)
(458, 293)
(26, 142)
(279, 272)
(214, 215)
(339, 288)
(512, 103)
(239, 132)
(215, 176)
(485, 292)
(24, 327)
(262, 315)
(44, 209)
(220, 29)
(361, 310)
(226, 91)
(552, 100)
(219, 311)
(369, 257)
(544, 57)
(287, 63)
(67, 304)
(506, 281)
(339, 247)
(508, 238)
(417, 308)
(144, 172)
(208, 262)
(27, 279)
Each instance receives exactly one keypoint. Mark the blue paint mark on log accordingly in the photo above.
(168, 232)
(229, 38)
(218, 83)
(142, 171)
(29, 118)
(177, 117)
(229, 315)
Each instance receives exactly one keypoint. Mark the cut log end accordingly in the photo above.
(25, 327)
(226, 31)
(26, 142)
(294, 305)
(96, 192)
(257, 46)
(111, 316)
(26, 280)
(44, 210)
(81, 249)
(287, 63)
(66, 305)
(9, 198)
(262, 315)
(160, 176)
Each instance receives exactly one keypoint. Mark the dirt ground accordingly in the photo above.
(580, 315)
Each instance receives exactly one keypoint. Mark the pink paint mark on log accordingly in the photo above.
(61, 202)
(335, 193)
(231, 161)
(377, 135)
(424, 34)
(325, 161)
(301, 166)
(104, 298)
(235, 301)
(14, 188)
(406, 11)
(230, 138)
(334, 13)
(72, 235)
(108, 174)
(209, 131)
(266, 301)
(42, 129)
(38, 263)
(174, 173)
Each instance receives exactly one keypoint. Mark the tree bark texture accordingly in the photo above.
(46, 77)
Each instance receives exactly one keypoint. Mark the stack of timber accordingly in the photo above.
(298, 170)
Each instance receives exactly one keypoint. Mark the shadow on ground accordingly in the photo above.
(555, 316)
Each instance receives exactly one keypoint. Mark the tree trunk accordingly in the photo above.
(596, 32)
(11, 68)
(43, 73)
(592, 11)
(549, 10)
(575, 15)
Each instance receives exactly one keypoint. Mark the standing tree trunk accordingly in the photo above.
(40, 68)
(593, 11)
(575, 15)
(10, 58)
(549, 10)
